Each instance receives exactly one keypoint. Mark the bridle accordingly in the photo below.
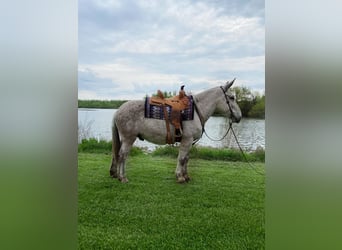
(202, 119)
(229, 105)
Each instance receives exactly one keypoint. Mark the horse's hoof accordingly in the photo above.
(113, 174)
(187, 178)
(181, 179)
(123, 179)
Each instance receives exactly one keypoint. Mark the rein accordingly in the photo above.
(242, 152)
(237, 141)
(230, 128)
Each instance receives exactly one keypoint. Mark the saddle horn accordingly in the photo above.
(181, 92)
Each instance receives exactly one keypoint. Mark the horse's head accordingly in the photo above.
(227, 103)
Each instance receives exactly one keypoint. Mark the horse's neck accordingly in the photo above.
(206, 103)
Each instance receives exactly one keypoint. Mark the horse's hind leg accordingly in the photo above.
(116, 145)
(123, 154)
(113, 168)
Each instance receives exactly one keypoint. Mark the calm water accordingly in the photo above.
(96, 123)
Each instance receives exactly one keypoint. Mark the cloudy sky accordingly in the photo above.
(130, 48)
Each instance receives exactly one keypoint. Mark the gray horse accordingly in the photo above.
(130, 123)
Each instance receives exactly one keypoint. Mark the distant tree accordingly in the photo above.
(111, 104)
(166, 94)
(251, 104)
(258, 110)
(244, 98)
(242, 93)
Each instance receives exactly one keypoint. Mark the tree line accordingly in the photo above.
(252, 104)
(100, 104)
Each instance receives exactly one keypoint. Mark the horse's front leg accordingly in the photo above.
(183, 158)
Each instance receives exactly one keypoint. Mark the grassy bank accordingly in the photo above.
(222, 207)
(205, 153)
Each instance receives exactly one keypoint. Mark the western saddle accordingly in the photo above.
(177, 103)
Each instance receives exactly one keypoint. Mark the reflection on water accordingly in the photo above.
(250, 132)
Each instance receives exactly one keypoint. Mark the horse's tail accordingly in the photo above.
(116, 143)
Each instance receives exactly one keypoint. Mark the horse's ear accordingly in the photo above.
(228, 85)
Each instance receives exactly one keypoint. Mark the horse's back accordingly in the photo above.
(131, 108)
(129, 113)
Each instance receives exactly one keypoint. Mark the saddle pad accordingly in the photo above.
(156, 112)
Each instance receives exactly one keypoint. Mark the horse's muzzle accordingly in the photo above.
(236, 119)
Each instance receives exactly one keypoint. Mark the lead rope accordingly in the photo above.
(203, 123)
(243, 153)
(222, 137)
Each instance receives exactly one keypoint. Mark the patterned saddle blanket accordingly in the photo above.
(156, 111)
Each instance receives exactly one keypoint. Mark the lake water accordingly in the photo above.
(96, 123)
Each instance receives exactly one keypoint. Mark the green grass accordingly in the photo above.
(222, 207)
(94, 146)
(205, 153)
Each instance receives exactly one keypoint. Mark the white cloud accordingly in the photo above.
(127, 75)
(89, 95)
(142, 46)
(188, 29)
(108, 4)
(158, 44)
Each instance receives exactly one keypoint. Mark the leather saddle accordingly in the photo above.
(177, 103)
